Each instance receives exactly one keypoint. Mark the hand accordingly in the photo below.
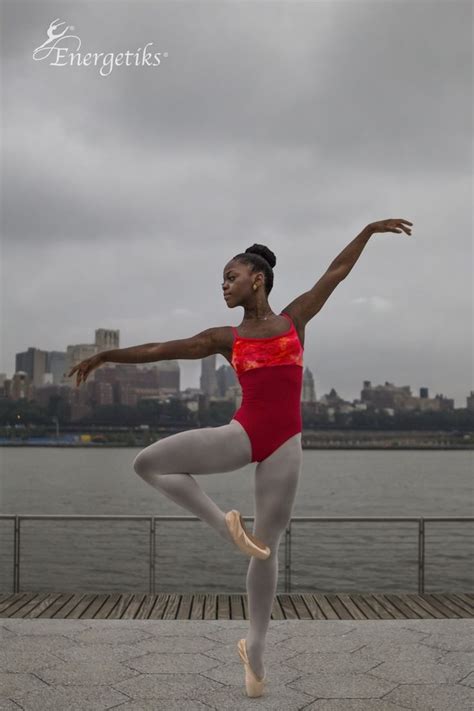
(390, 225)
(85, 367)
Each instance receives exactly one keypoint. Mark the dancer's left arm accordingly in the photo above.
(304, 307)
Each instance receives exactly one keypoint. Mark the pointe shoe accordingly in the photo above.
(253, 685)
(243, 539)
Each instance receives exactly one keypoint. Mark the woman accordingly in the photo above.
(266, 429)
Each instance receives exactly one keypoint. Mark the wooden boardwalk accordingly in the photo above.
(228, 606)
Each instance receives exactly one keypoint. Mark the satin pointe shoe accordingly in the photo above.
(244, 540)
(253, 685)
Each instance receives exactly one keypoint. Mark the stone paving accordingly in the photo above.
(179, 665)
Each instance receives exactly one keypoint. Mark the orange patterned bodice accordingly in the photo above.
(250, 353)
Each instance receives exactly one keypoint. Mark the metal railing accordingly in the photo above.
(422, 522)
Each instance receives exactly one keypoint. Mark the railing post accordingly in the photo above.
(421, 555)
(288, 558)
(151, 585)
(16, 555)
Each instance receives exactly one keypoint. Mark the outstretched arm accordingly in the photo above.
(201, 345)
(304, 307)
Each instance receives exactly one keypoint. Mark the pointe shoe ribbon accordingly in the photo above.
(244, 540)
(253, 685)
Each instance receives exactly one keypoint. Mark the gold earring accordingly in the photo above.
(255, 287)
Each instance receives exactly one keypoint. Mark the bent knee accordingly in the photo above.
(151, 461)
(141, 464)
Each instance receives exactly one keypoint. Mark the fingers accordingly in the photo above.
(83, 369)
(401, 223)
(394, 225)
(80, 373)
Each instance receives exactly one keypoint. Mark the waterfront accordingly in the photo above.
(106, 556)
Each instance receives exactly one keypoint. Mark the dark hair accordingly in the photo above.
(260, 259)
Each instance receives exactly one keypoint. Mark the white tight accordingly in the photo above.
(168, 465)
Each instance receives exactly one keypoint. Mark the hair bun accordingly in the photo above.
(264, 252)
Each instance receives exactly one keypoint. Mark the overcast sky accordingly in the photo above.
(292, 124)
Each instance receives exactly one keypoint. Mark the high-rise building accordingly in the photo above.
(107, 339)
(33, 362)
(226, 378)
(309, 392)
(56, 364)
(208, 379)
(470, 401)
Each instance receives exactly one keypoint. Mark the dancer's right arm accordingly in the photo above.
(201, 345)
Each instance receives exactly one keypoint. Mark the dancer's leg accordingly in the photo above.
(276, 482)
(168, 464)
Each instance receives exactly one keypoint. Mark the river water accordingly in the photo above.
(107, 556)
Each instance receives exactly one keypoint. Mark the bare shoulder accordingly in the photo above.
(218, 339)
(223, 340)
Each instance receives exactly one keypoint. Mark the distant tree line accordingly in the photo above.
(175, 414)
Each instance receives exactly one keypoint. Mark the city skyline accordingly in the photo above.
(415, 389)
(287, 125)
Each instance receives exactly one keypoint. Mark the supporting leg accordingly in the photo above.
(276, 482)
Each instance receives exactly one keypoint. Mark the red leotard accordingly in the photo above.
(270, 372)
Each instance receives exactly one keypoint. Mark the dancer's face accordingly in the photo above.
(237, 284)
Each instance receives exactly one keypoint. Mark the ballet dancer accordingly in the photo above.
(266, 352)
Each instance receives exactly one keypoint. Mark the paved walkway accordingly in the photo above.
(173, 665)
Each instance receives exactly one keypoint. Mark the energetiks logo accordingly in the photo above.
(62, 50)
